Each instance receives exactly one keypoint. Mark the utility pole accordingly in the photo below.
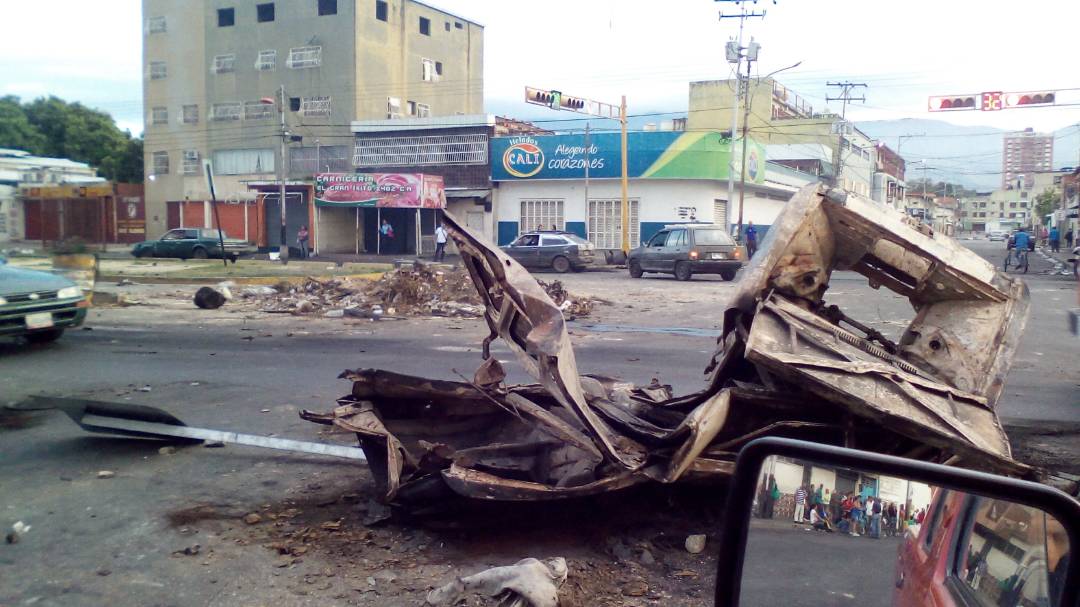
(734, 54)
(625, 210)
(845, 96)
(284, 248)
(745, 124)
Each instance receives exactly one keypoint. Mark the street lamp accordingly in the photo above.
(283, 249)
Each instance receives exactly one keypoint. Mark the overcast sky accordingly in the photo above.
(905, 51)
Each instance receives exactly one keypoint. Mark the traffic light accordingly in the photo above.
(951, 103)
(550, 99)
(572, 103)
(1029, 99)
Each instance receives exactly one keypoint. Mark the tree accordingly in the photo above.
(1045, 203)
(53, 127)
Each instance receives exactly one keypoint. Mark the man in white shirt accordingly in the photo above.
(440, 243)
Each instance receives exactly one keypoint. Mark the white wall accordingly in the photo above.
(788, 476)
(337, 230)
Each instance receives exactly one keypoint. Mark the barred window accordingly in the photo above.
(605, 223)
(267, 60)
(420, 150)
(158, 70)
(220, 112)
(304, 57)
(318, 105)
(393, 107)
(190, 114)
(224, 64)
(315, 159)
(192, 164)
(159, 115)
(257, 110)
(155, 25)
(541, 213)
(423, 110)
(160, 163)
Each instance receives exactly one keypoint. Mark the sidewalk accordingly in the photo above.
(1062, 266)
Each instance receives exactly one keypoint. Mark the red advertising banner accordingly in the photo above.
(386, 190)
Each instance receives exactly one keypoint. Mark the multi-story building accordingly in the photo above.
(889, 182)
(1024, 154)
(214, 71)
(974, 211)
(780, 116)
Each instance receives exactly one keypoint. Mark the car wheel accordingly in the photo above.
(44, 337)
(635, 270)
(199, 253)
(560, 264)
(682, 271)
(727, 275)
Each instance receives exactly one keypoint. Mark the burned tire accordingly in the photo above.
(728, 275)
(44, 337)
(635, 270)
(683, 271)
(560, 264)
(199, 253)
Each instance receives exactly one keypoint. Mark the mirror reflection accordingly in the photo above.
(822, 535)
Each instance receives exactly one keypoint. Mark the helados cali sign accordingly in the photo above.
(651, 155)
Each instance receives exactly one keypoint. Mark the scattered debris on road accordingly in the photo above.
(695, 544)
(18, 530)
(417, 290)
(252, 518)
(787, 364)
(209, 298)
(527, 583)
(106, 474)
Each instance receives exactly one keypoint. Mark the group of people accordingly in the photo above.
(852, 513)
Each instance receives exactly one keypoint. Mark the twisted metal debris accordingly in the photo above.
(786, 364)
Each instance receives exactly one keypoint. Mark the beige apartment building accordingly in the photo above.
(212, 67)
(780, 117)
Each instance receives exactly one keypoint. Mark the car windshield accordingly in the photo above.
(712, 237)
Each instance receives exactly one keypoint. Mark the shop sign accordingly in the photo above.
(385, 190)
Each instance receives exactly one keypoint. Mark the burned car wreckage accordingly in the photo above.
(787, 364)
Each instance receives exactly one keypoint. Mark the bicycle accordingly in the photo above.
(1021, 259)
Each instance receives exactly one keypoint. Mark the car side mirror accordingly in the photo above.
(1001, 540)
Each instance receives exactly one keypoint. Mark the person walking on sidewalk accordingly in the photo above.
(875, 519)
(751, 240)
(386, 237)
(1069, 239)
(800, 503)
(440, 243)
(301, 241)
(1055, 240)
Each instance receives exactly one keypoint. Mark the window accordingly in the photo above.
(553, 241)
(155, 25)
(315, 106)
(1023, 194)
(223, 112)
(264, 12)
(1012, 205)
(541, 214)
(192, 166)
(393, 107)
(160, 163)
(304, 57)
(528, 240)
(438, 68)
(224, 64)
(458, 25)
(381, 10)
(315, 159)
(327, 7)
(425, 26)
(423, 110)
(421, 151)
(658, 239)
(410, 107)
(605, 223)
(190, 114)
(226, 17)
(266, 61)
(1023, 205)
(159, 115)
(243, 162)
(427, 70)
(257, 110)
(158, 70)
(294, 104)
(676, 238)
(447, 26)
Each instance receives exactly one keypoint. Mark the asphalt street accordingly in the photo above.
(790, 565)
(110, 541)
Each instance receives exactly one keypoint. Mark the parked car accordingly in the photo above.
(560, 251)
(38, 305)
(192, 243)
(688, 249)
(998, 235)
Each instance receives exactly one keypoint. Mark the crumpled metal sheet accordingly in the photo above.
(786, 364)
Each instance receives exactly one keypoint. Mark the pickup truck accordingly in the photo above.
(193, 243)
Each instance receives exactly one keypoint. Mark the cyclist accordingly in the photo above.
(1018, 246)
